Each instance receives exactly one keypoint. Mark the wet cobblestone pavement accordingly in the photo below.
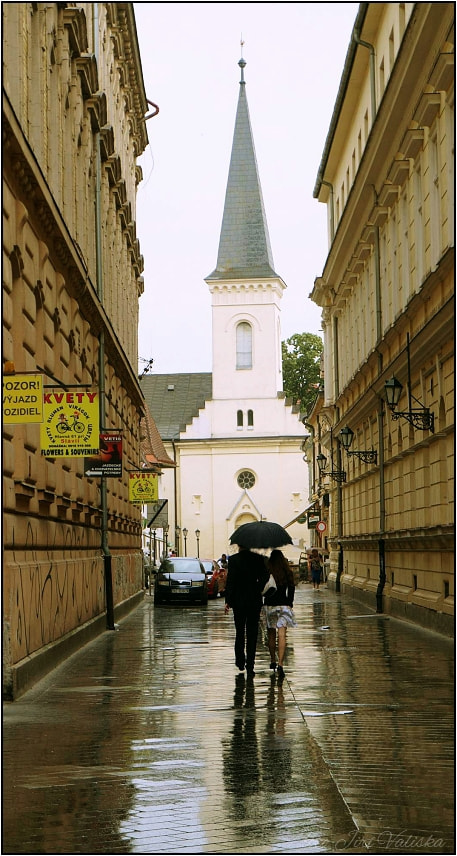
(149, 741)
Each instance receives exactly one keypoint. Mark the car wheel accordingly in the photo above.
(205, 600)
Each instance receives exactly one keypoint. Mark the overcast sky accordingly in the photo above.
(295, 54)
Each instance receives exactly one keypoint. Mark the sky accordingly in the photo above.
(294, 55)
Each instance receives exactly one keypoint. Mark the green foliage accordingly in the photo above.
(301, 357)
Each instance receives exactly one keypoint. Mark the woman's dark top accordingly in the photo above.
(283, 596)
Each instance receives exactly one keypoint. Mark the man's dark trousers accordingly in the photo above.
(247, 628)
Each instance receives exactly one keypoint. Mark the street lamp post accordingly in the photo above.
(165, 541)
(185, 533)
(197, 535)
(177, 534)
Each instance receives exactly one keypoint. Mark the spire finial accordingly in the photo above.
(242, 62)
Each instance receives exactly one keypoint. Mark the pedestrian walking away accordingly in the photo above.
(277, 610)
(315, 566)
(247, 575)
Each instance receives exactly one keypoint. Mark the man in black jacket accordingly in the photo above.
(246, 577)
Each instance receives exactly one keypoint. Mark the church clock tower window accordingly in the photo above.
(239, 418)
(244, 346)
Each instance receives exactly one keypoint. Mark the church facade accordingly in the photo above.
(234, 436)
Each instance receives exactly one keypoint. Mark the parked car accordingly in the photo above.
(216, 577)
(180, 580)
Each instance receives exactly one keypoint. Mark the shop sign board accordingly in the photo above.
(157, 514)
(313, 518)
(143, 487)
(22, 399)
(108, 461)
(71, 424)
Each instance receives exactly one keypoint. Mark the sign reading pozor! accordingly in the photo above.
(22, 399)
(71, 424)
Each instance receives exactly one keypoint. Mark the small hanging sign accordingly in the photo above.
(143, 487)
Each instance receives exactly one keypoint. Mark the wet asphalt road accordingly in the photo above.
(150, 741)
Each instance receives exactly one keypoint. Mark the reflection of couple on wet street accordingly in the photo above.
(250, 764)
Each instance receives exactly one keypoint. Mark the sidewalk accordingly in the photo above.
(149, 741)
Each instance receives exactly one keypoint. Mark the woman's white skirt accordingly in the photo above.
(278, 616)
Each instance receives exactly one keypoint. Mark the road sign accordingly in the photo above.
(321, 526)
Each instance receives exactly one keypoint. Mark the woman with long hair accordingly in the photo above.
(277, 610)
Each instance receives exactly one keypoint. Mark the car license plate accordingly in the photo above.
(181, 590)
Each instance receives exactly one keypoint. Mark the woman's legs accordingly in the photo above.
(281, 644)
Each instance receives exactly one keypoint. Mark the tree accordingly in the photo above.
(301, 357)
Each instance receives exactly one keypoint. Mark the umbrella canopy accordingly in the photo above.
(260, 534)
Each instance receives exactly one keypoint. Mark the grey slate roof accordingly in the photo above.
(174, 408)
(244, 246)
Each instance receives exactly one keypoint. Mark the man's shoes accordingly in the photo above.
(273, 666)
(240, 665)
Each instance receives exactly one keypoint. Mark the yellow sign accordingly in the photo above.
(22, 398)
(71, 424)
(143, 487)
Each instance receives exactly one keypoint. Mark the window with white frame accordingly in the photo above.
(244, 346)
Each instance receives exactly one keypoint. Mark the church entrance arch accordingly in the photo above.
(244, 518)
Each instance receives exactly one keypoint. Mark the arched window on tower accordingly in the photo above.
(239, 418)
(244, 346)
(250, 418)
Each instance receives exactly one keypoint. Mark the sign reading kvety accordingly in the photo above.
(143, 487)
(71, 424)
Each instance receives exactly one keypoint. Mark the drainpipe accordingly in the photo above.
(359, 41)
(382, 501)
(101, 356)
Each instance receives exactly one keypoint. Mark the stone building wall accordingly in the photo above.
(388, 286)
(70, 312)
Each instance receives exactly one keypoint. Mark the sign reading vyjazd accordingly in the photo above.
(71, 424)
(22, 398)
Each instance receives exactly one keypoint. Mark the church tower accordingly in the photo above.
(246, 291)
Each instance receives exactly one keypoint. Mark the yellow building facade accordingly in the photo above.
(387, 290)
(73, 127)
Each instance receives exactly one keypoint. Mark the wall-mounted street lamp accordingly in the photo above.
(420, 417)
(197, 535)
(336, 475)
(346, 436)
(185, 533)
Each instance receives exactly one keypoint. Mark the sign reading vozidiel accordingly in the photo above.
(71, 424)
(22, 398)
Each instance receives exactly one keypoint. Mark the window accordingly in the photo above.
(239, 418)
(250, 418)
(246, 479)
(244, 346)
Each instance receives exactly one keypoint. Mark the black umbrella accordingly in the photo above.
(260, 534)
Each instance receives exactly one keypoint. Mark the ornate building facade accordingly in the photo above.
(73, 127)
(387, 290)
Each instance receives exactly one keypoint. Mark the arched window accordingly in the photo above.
(239, 418)
(244, 346)
(250, 418)
(246, 479)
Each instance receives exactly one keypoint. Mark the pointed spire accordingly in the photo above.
(244, 245)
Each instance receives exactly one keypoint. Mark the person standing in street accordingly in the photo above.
(277, 608)
(315, 566)
(247, 575)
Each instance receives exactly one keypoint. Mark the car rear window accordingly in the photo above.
(183, 566)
